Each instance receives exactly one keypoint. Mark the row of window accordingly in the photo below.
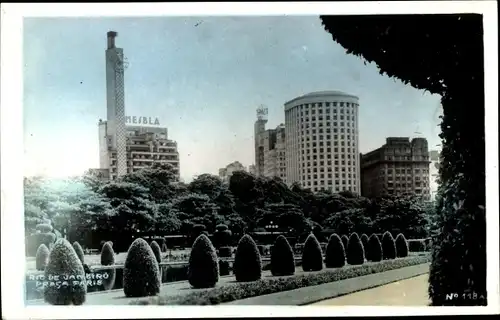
(327, 118)
(329, 169)
(329, 176)
(327, 104)
(327, 124)
(328, 130)
(331, 189)
(321, 155)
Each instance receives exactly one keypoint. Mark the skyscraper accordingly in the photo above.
(322, 141)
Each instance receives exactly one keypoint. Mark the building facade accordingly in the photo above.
(226, 173)
(322, 141)
(144, 147)
(124, 148)
(270, 148)
(399, 167)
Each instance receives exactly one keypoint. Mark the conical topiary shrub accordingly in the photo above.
(374, 250)
(364, 240)
(164, 248)
(312, 257)
(345, 241)
(335, 252)
(203, 271)
(141, 273)
(401, 246)
(388, 246)
(108, 259)
(247, 261)
(355, 251)
(42, 257)
(282, 259)
(156, 250)
(79, 251)
(65, 265)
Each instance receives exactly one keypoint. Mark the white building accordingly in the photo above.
(226, 173)
(322, 141)
(126, 148)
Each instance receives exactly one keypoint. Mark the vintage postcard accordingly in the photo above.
(292, 157)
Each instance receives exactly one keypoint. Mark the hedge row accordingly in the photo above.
(272, 285)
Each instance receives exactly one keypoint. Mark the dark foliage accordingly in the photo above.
(282, 259)
(79, 251)
(203, 264)
(345, 241)
(335, 256)
(443, 56)
(64, 261)
(156, 250)
(224, 268)
(42, 257)
(107, 255)
(247, 261)
(374, 251)
(141, 273)
(388, 246)
(355, 251)
(312, 256)
(364, 240)
(401, 246)
(225, 252)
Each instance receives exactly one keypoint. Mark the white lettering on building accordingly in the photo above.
(142, 120)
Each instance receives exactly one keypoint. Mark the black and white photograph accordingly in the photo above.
(232, 156)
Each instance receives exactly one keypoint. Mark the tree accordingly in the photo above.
(42, 257)
(335, 253)
(388, 246)
(282, 259)
(401, 246)
(156, 250)
(79, 252)
(108, 259)
(312, 256)
(197, 209)
(355, 250)
(247, 261)
(203, 264)
(64, 264)
(348, 221)
(141, 273)
(445, 60)
(374, 251)
(216, 191)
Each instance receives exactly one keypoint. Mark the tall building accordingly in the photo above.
(399, 167)
(270, 148)
(126, 148)
(321, 130)
(226, 173)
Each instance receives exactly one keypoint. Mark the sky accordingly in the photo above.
(203, 77)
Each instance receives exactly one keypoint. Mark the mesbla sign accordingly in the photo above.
(142, 120)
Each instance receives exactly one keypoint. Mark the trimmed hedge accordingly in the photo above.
(156, 250)
(282, 259)
(35, 240)
(388, 246)
(355, 250)
(247, 261)
(108, 259)
(401, 246)
(264, 286)
(203, 269)
(42, 257)
(64, 262)
(79, 251)
(374, 251)
(164, 247)
(335, 252)
(364, 240)
(345, 241)
(107, 255)
(141, 273)
(225, 252)
(312, 256)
